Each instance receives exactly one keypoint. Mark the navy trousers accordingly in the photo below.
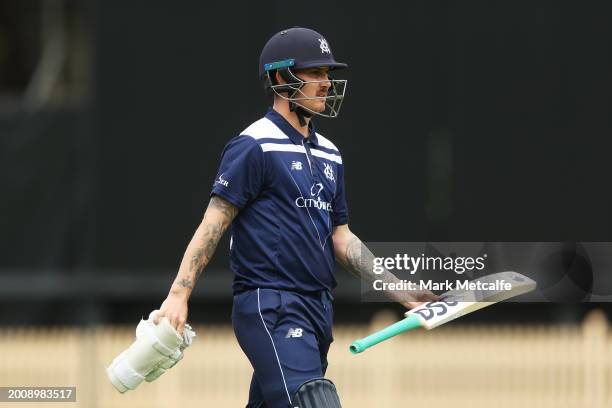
(286, 337)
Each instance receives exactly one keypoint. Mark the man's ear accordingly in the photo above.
(278, 78)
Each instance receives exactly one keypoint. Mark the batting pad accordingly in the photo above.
(156, 349)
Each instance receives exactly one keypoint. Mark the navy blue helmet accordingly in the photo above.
(305, 47)
(294, 49)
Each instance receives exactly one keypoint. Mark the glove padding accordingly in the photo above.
(156, 349)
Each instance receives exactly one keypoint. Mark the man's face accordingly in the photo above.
(316, 90)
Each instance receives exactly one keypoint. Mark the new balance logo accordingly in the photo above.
(294, 333)
(296, 165)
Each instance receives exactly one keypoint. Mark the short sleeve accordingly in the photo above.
(340, 209)
(241, 173)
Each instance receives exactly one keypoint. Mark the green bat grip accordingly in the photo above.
(409, 323)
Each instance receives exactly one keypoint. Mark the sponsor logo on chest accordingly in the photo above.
(318, 203)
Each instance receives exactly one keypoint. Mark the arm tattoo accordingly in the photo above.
(224, 206)
(207, 245)
(359, 261)
(185, 283)
(212, 231)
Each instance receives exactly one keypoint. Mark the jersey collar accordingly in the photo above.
(291, 132)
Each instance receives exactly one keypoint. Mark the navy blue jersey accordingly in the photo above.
(290, 192)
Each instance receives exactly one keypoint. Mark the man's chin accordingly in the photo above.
(318, 108)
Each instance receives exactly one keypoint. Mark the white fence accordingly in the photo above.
(452, 366)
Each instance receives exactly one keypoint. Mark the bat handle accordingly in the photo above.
(409, 323)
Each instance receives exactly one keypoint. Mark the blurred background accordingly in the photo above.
(463, 121)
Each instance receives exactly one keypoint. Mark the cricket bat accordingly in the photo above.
(479, 293)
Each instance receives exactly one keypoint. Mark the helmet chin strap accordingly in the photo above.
(301, 113)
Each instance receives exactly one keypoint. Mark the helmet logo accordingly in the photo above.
(324, 46)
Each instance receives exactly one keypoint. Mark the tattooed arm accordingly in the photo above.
(356, 258)
(217, 218)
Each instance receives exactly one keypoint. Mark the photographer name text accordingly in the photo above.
(497, 285)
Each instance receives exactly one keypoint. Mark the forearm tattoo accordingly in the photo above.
(359, 261)
(212, 232)
(185, 283)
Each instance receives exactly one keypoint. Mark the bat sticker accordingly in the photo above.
(437, 308)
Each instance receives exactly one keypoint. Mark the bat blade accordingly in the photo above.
(479, 293)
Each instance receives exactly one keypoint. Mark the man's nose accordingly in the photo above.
(326, 83)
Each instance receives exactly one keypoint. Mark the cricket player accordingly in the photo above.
(280, 189)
